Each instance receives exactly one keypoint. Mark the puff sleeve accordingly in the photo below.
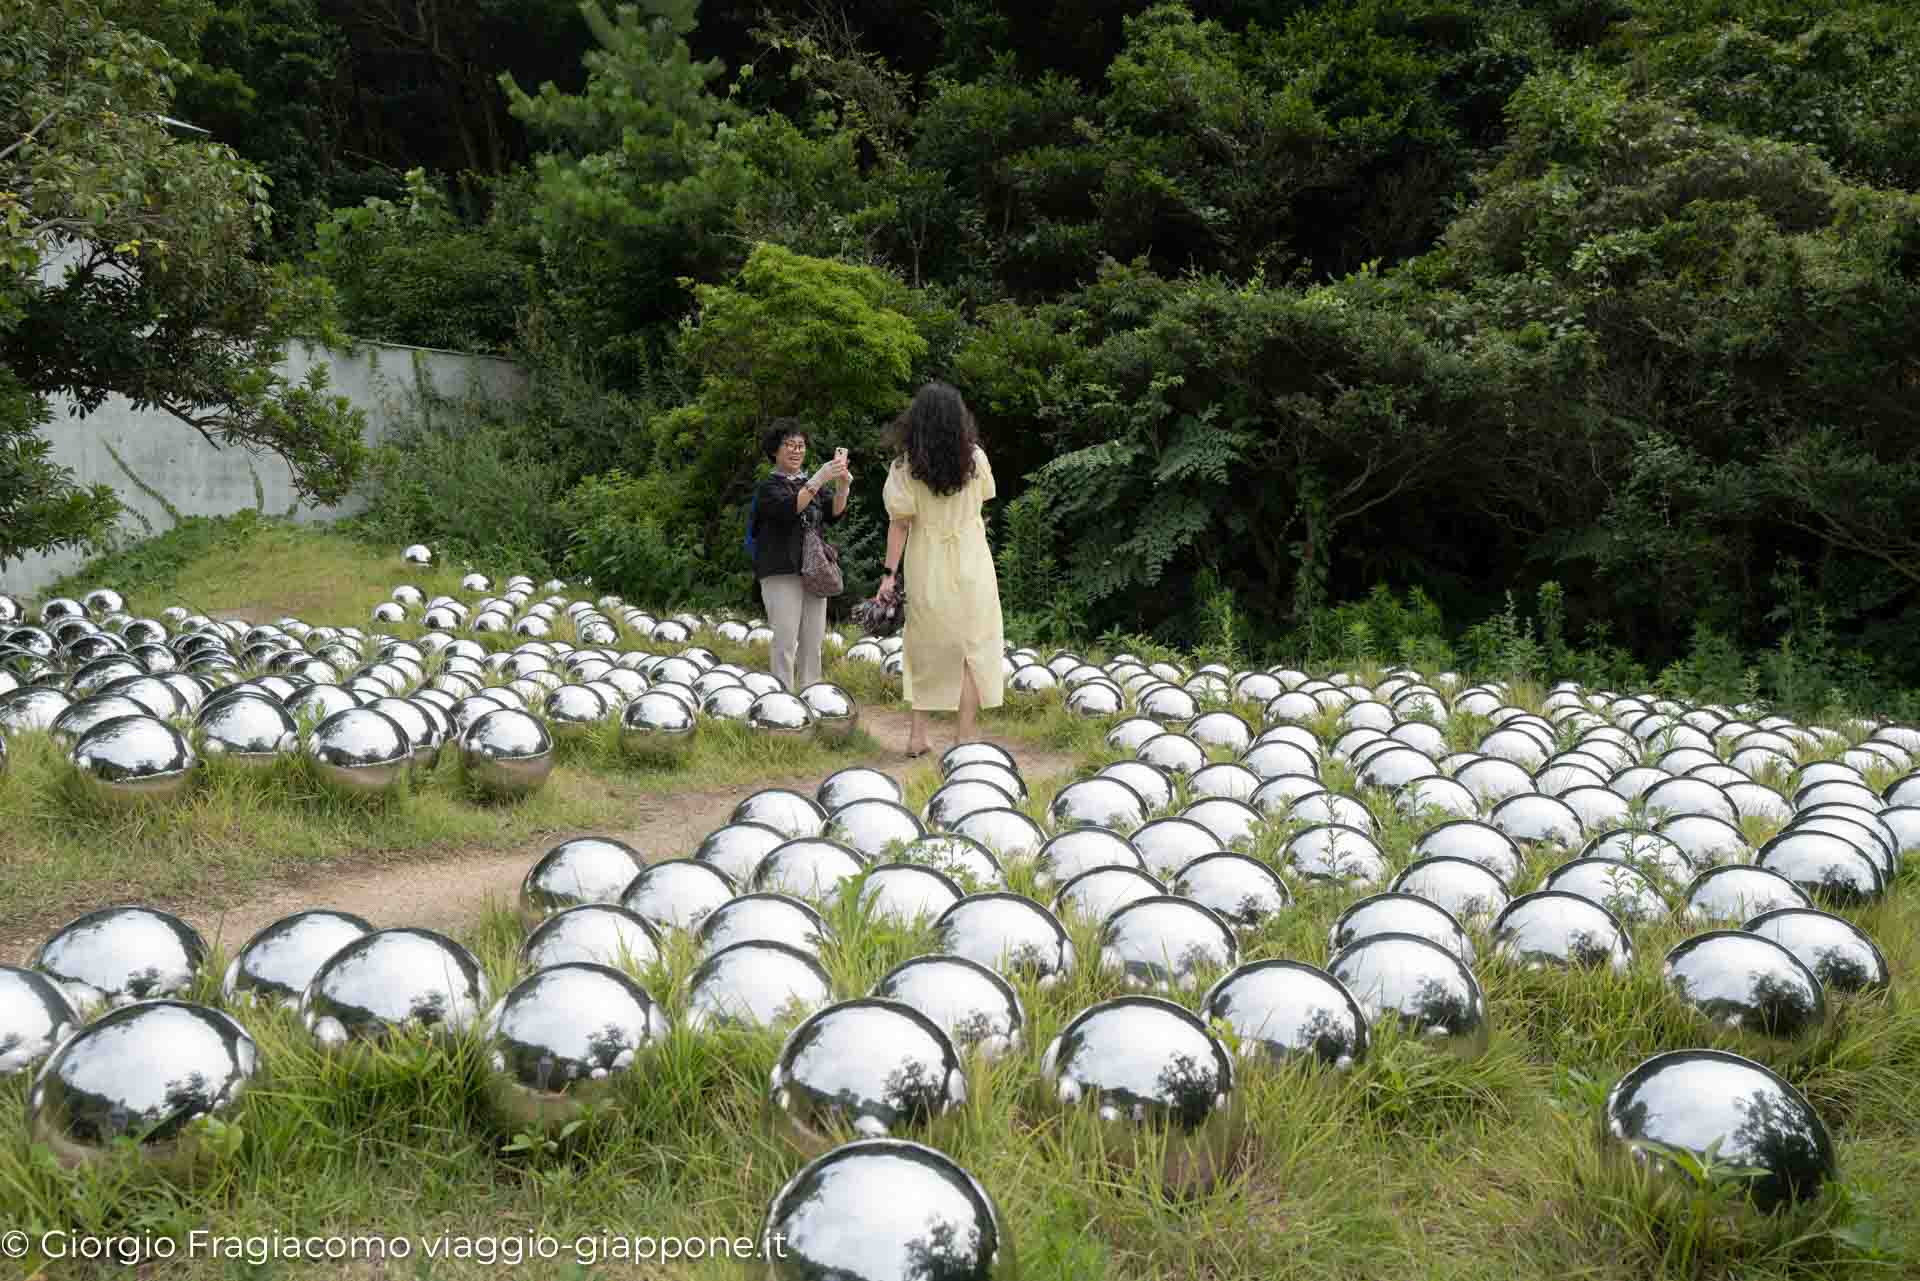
(898, 493)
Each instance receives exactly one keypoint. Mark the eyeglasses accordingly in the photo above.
(799, 442)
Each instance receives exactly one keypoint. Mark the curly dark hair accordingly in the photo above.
(936, 435)
(777, 432)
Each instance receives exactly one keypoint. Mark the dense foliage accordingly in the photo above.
(1272, 310)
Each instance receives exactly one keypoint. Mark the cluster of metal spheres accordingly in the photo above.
(137, 704)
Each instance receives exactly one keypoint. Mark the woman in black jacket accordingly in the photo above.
(785, 507)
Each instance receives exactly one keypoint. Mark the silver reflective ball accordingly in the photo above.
(573, 710)
(70, 725)
(359, 751)
(1010, 834)
(1083, 849)
(809, 867)
(1166, 943)
(118, 955)
(1336, 853)
(390, 980)
(1466, 889)
(866, 1068)
(1629, 894)
(1143, 1061)
(1096, 802)
(1242, 891)
(920, 1216)
(856, 783)
(1397, 913)
(561, 1039)
(977, 1009)
(1175, 753)
(35, 1017)
(678, 893)
(780, 713)
(1747, 982)
(755, 984)
(737, 848)
(1826, 867)
(280, 960)
(905, 894)
(153, 1072)
(134, 760)
(1168, 844)
(1289, 1011)
(658, 724)
(835, 713)
(602, 933)
(1009, 933)
(1738, 893)
(971, 864)
(874, 826)
(585, 869)
(1428, 989)
(1096, 700)
(771, 918)
(1475, 841)
(1099, 892)
(1556, 929)
(1762, 1133)
(417, 554)
(1840, 954)
(248, 731)
(783, 810)
(507, 753)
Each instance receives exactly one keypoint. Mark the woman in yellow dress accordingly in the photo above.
(934, 492)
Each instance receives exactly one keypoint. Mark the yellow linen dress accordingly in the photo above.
(953, 595)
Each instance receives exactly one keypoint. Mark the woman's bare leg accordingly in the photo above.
(917, 735)
(969, 705)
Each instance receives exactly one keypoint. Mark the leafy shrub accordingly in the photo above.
(618, 537)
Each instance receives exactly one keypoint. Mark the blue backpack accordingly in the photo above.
(753, 510)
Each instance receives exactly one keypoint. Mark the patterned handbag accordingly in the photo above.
(884, 614)
(820, 566)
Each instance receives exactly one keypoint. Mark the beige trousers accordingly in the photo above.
(798, 621)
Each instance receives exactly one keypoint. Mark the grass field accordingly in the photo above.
(1413, 1164)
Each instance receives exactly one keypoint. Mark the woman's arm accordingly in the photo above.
(897, 532)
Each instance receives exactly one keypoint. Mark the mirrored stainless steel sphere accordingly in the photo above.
(755, 984)
(280, 960)
(1553, 928)
(658, 724)
(1630, 895)
(1289, 1010)
(1011, 835)
(971, 864)
(152, 1072)
(248, 731)
(920, 1217)
(977, 1009)
(783, 810)
(1466, 889)
(1738, 893)
(1096, 802)
(1398, 913)
(857, 783)
(812, 868)
(602, 933)
(359, 751)
(1144, 1061)
(1166, 943)
(118, 955)
(1083, 849)
(395, 979)
(1338, 854)
(874, 826)
(561, 1038)
(35, 1017)
(1428, 989)
(585, 869)
(1009, 934)
(1840, 954)
(82, 716)
(780, 713)
(737, 848)
(135, 760)
(953, 801)
(835, 713)
(865, 1068)
(574, 710)
(1168, 844)
(1747, 982)
(1762, 1132)
(678, 893)
(905, 893)
(776, 918)
(1099, 892)
(507, 753)
(1242, 891)
(1826, 867)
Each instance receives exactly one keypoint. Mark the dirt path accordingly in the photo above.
(453, 892)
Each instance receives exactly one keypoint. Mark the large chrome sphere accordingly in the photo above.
(866, 1068)
(1747, 982)
(561, 1038)
(277, 963)
(755, 984)
(1244, 892)
(1629, 894)
(1235, 824)
(976, 1008)
(602, 933)
(874, 826)
(857, 783)
(1166, 943)
(247, 730)
(1553, 928)
(417, 554)
(920, 1217)
(809, 867)
(118, 955)
(953, 801)
(1465, 888)
(1007, 933)
(835, 714)
(783, 810)
(507, 753)
(1840, 953)
(1763, 1132)
(971, 864)
(149, 1072)
(1071, 853)
(359, 751)
(737, 848)
(1336, 853)
(573, 710)
(658, 724)
(585, 869)
(1827, 867)
(391, 980)
(133, 760)
(1289, 1010)
(1168, 844)
(780, 713)
(1096, 802)
(1397, 913)
(1144, 1061)
(677, 894)
(1739, 892)
(35, 1017)
(1099, 892)
(1010, 834)
(1427, 988)
(774, 918)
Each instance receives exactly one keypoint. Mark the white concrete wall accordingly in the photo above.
(159, 455)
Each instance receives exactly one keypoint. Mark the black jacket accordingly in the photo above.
(778, 529)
